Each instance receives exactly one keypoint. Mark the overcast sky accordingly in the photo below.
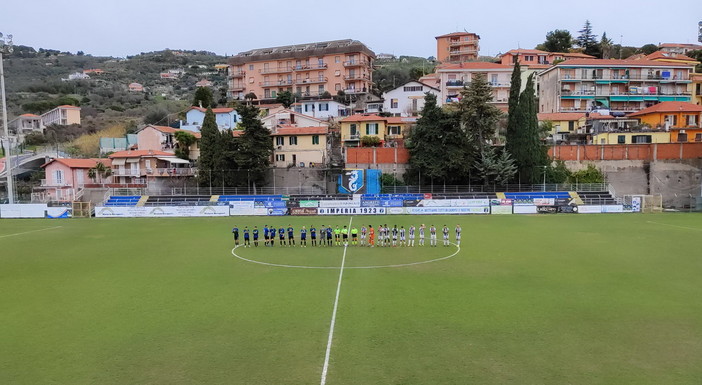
(128, 27)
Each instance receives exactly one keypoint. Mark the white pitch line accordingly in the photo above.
(30, 231)
(458, 249)
(325, 368)
(680, 227)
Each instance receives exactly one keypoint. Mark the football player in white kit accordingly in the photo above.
(421, 234)
(432, 236)
(402, 235)
(446, 235)
(364, 232)
(411, 236)
(458, 235)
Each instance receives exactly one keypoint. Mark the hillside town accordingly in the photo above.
(637, 119)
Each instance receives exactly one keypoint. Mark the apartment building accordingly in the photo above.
(61, 115)
(534, 58)
(581, 85)
(457, 47)
(26, 123)
(681, 48)
(453, 77)
(299, 146)
(391, 131)
(307, 70)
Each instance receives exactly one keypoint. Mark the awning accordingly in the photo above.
(118, 161)
(174, 160)
(132, 160)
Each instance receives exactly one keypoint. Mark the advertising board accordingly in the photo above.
(309, 203)
(303, 211)
(612, 208)
(162, 211)
(23, 211)
(340, 203)
(351, 210)
(524, 209)
(501, 210)
(544, 201)
(448, 210)
(589, 209)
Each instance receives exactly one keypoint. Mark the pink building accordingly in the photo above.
(66, 178)
(140, 166)
(162, 138)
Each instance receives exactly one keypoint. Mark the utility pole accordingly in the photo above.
(6, 47)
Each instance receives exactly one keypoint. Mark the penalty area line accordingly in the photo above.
(680, 227)
(325, 368)
(30, 231)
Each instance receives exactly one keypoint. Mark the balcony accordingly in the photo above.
(46, 183)
(276, 70)
(466, 51)
(456, 83)
(171, 172)
(237, 74)
(352, 91)
(625, 78)
(236, 88)
(311, 81)
(276, 83)
(456, 43)
(309, 67)
(127, 172)
(499, 85)
(355, 77)
(356, 63)
(351, 137)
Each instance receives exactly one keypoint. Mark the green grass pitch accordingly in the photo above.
(550, 299)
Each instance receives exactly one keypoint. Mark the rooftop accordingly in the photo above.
(80, 163)
(291, 130)
(305, 50)
(139, 153)
(554, 116)
(477, 65)
(669, 107)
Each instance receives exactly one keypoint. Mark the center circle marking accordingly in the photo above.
(458, 249)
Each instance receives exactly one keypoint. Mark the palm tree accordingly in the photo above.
(99, 171)
(185, 140)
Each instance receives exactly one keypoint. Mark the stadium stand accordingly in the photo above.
(126, 201)
(178, 200)
(597, 198)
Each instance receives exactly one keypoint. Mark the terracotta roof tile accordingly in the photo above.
(139, 153)
(480, 65)
(619, 63)
(80, 163)
(222, 110)
(555, 116)
(669, 107)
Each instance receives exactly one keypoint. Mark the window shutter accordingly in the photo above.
(367, 129)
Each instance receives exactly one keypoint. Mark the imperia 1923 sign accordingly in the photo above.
(351, 210)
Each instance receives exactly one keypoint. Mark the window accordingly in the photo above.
(267, 93)
(292, 140)
(621, 139)
(394, 130)
(265, 67)
(320, 62)
(698, 137)
(353, 129)
(371, 128)
(691, 120)
(413, 89)
(337, 87)
(493, 79)
(393, 103)
(337, 59)
(273, 94)
(571, 126)
(279, 141)
(641, 139)
(250, 67)
(320, 89)
(280, 158)
(672, 120)
(324, 106)
(58, 177)
(682, 137)
(315, 139)
(307, 107)
(528, 58)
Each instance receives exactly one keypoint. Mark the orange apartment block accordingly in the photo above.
(308, 70)
(457, 47)
(537, 59)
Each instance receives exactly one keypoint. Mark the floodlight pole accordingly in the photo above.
(6, 45)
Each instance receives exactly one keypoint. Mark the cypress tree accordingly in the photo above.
(210, 151)
(532, 154)
(478, 116)
(513, 106)
(256, 145)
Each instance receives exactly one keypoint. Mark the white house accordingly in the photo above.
(321, 109)
(226, 118)
(289, 118)
(407, 99)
